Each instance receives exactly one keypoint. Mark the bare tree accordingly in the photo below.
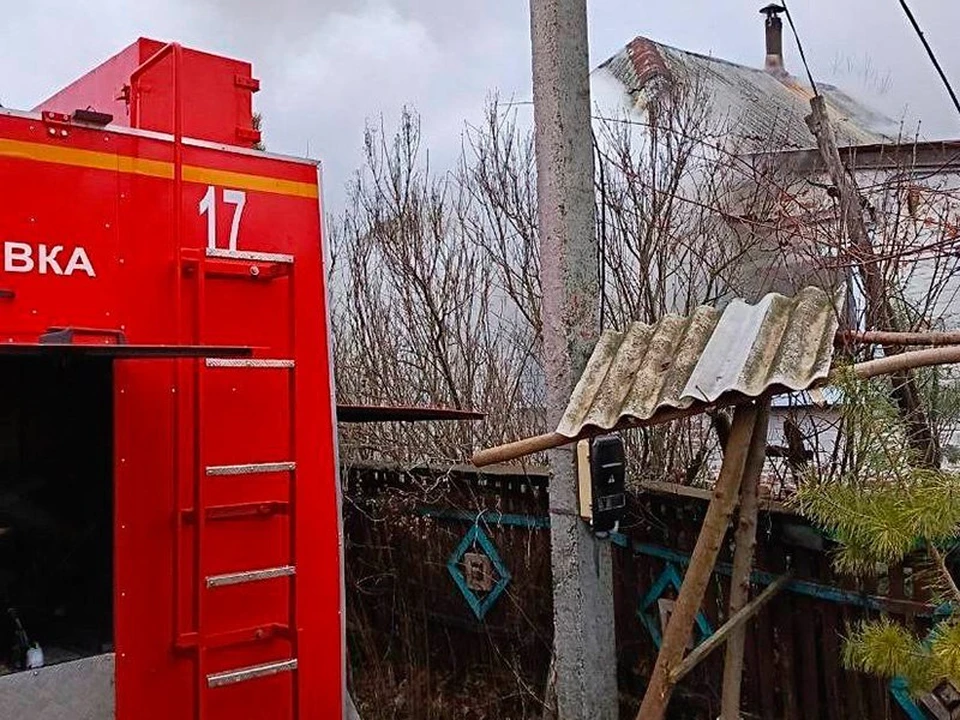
(437, 292)
(419, 315)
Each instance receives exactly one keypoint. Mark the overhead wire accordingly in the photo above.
(930, 53)
(803, 56)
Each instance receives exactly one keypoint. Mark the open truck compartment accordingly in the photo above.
(169, 507)
(56, 509)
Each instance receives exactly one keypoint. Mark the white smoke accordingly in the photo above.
(328, 65)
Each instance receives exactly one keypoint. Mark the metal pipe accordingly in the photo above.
(176, 51)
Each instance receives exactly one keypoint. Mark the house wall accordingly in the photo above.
(913, 216)
(913, 211)
(819, 426)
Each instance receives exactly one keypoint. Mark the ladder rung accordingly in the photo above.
(242, 511)
(232, 638)
(248, 363)
(247, 576)
(239, 511)
(250, 255)
(251, 468)
(230, 677)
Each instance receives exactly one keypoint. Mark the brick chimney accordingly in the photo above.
(774, 28)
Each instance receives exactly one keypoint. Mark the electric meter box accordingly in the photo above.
(602, 471)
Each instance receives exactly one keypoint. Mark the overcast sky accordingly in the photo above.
(326, 66)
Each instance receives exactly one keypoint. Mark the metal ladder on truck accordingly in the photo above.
(235, 536)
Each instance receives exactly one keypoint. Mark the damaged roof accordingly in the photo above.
(764, 109)
(640, 375)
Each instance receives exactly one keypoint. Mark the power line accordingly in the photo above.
(933, 58)
(803, 56)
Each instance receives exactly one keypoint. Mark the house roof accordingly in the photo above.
(765, 110)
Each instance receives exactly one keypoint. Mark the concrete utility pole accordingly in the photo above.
(584, 642)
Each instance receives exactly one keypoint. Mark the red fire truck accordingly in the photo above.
(170, 541)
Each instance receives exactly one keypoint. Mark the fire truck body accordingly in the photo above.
(160, 258)
(215, 93)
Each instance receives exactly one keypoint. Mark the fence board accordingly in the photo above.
(766, 652)
(786, 647)
(831, 672)
(752, 668)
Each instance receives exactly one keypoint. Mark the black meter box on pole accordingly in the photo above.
(602, 471)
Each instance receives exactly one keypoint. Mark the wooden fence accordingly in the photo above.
(419, 648)
(419, 642)
(793, 666)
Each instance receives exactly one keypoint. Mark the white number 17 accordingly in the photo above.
(208, 205)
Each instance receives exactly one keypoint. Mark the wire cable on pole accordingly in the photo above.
(930, 53)
(601, 233)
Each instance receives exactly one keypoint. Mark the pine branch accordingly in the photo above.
(888, 649)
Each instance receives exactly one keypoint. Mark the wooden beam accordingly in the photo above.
(720, 636)
(540, 443)
(745, 540)
(657, 487)
(892, 337)
(880, 311)
(702, 562)
(903, 362)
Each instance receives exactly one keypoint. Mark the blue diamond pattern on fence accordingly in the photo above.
(670, 577)
(479, 603)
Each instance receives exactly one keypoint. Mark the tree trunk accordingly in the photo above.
(746, 541)
(704, 558)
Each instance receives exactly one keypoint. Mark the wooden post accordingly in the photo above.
(880, 312)
(732, 626)
(702, 562)
(746, 541)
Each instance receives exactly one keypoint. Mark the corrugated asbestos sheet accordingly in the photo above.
(763, 111)
(780, 344)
